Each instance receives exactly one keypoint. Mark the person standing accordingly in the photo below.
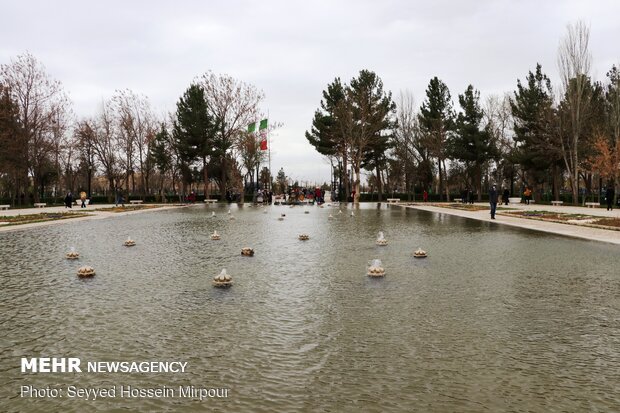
(527, 194)
(425, 196)
(69, 200)
(609, 197)
(506, 195)
(493, 200)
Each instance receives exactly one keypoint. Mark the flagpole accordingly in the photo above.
(258, 166)
(269, 152)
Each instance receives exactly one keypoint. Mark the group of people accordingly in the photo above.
(317, 194)
(263, 197)
(191, 198)
(467, 196)
(494, 197)
(69, 200)
(527, 196)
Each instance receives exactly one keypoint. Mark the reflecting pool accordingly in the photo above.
(495, 319)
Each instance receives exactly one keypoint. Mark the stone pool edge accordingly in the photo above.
(574, 231)
(92, 215)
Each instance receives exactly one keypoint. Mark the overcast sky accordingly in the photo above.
(292, 49)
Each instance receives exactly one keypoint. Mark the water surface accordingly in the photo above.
(496, 319)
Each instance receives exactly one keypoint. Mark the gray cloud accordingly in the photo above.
(292, 49)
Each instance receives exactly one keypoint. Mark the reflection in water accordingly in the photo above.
(494, 319)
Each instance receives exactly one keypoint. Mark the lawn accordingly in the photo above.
(464, 207)
(128, 208)
(573, 219)
(42, 217)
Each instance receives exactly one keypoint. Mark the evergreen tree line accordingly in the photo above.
(554, 141)
(125, 148)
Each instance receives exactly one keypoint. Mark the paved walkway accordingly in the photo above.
(89, 213)
(576, 231)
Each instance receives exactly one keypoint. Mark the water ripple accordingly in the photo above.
(496, 319)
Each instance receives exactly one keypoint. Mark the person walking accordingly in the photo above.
(119, 199)
(83, 199)
(425, 196)
(493, 200)
(505, 196)
(609, 197)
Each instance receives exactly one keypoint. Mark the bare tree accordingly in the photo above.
(498, 121)
(613, 102)
(136, 131)
(102, 131)
(249, 153)
(85, 137)
(63, 143)
(43, 107)
(407, 138)
(234, 105)
(574, 62)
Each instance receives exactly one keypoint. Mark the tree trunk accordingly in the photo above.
(206, 176)
(575, 173)
(379, 183)
(35, 187)
(223, 188)
(174, 182)
(407, 185)
(142, 177)
(478, 178)
(127, 186)
(345, 174)
(357, 172)
(440, 189)
(555, 171)
(445, 171)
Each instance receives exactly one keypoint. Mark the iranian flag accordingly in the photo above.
(262, 127)
(252, 127)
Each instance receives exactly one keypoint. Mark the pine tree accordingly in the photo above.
(194, 131)
(159, 154)
(537, 148)
(374, 122)
(436, 124)
(329, 133)
(471, 144)
(13, 146)
(612, 97)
